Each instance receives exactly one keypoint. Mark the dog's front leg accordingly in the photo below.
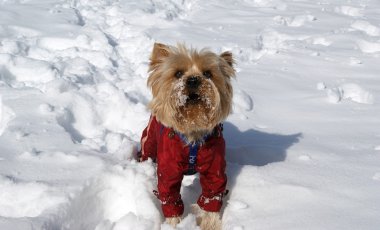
(207, 220)
(213, 183)
(173, 221)
(169, 187)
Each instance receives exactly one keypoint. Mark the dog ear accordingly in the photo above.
(159, 52)
(227, 56)
(227, 66)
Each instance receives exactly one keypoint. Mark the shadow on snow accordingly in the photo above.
(251, 147)
(256, 148)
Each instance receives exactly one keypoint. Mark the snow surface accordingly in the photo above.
(303, 142)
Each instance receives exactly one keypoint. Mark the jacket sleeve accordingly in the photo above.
(149, 141)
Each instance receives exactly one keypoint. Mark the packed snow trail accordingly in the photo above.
(303, 144)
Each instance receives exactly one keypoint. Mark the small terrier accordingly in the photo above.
(192, 95)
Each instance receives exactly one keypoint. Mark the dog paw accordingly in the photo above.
(198, 212)
(173, 221)
(211, 221)
(206, 220)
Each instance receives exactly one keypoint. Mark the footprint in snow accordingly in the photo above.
(355, 61)
(277, 5)
(304, 158)
(368, 47)
(237, 205)
(376, 176)
(366, 27)
(349, 11)
(46, 108)
(242, 101)
(347, 91)
(321, 41)
(6, 115)
(321, 86)
(296, 21)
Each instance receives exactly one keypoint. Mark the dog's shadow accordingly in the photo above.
(250, 147)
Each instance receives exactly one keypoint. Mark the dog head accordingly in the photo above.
(191, 89)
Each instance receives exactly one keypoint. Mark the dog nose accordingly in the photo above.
(193, 82)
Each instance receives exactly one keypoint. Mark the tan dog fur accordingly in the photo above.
(194, 121)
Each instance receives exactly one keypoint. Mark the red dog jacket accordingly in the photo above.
(172, 154)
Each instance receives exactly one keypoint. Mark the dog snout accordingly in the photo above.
(193, 82)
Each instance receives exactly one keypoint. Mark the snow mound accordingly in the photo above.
(91, 114)
(26, 199)
(121, 198)
(19, 68)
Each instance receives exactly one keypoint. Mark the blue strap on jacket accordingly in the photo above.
(193, 152)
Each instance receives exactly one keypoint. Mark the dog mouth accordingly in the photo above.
(193, 98)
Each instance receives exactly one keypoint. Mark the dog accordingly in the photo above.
(192, 96)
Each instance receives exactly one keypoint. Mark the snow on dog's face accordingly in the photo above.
(191, 90)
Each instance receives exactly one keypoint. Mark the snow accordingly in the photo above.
(6, 115)
(349, 11)
(369, 47)
(350, 91)
(180, 98)
(16, 203)
(366, 27)
(303, 140)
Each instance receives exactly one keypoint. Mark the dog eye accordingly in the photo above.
(178, 74)
(207, 74)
